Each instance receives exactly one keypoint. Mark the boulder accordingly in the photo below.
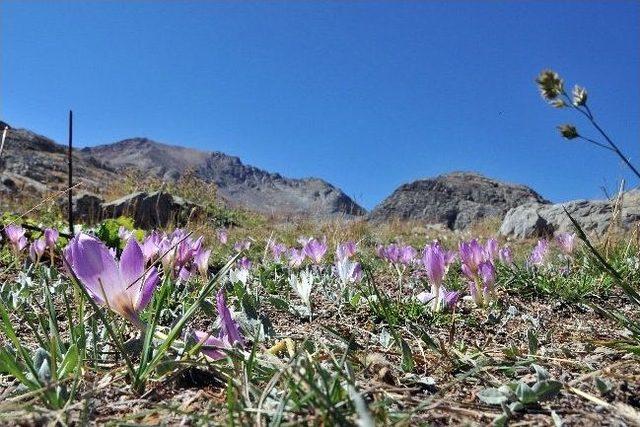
(150, 210)
(455, 200)
(87, 208)
(594, 216)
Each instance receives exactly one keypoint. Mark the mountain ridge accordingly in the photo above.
(29, 157)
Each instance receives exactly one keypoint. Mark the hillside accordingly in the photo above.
(32, 162)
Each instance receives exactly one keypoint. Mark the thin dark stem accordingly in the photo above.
(613, 146)
(70, 200)
(599, 144)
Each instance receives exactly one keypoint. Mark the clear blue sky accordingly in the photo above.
(365, 95)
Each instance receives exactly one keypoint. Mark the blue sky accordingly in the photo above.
(365, 95)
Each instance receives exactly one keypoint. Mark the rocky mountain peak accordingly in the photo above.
(455, 200)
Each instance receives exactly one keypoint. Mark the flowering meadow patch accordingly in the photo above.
(152, 304)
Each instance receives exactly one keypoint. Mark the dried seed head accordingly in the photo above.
(550, 84)
(579, 96)
(568, 131)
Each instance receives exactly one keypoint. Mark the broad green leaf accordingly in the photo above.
(541, 373)
(407, 356)
(526, 394)
(546, 389)
(492, 396)
(69, 362)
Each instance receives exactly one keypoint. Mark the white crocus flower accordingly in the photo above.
(239, 275)
(346, 271)
(302, 284)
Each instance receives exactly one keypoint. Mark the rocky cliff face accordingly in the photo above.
(33, 162)
(454, 200)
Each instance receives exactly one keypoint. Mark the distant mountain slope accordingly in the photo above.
(34, 163)
(40, 163)
(241, 184)
(454, 200)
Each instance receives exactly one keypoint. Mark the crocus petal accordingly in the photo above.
(146, 290)
(451, 298)
(131, 265)
(214, 343)
(229, 327)
(95, 266)
(51, 237)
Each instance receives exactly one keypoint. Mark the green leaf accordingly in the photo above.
(546, 389)
(516, 406)
(69, 362)
(525, 394)
(557, 421)
(501, 420)
(532, 338)
(603, 386)
(541, 373)
(492, 396)
(9, 365)
(407, 357)
(279, 303)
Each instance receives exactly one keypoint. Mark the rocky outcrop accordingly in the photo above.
(593, 216)
(150, 210)
(455, 200)
(87, 208)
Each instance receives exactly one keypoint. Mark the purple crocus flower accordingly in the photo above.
(505, 255)
(406, 255)
(201, 260)
(242, 245)
(392, 253)
(448, 299)
(471, 255)
(396, 254)
(228, 337)
(277, 250)
(491, 249)
(345, 250)
(36, 250)
(434, 260)
(15, 235)
(315, 250)
(123, 286)
(487, 273)
(539, 253)
(296, 257)
(566, 242)
(450, 257)
(184, 274)
(51, 237)
(222, 236)
(124, 234)
(151, 246)
(244, 263)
